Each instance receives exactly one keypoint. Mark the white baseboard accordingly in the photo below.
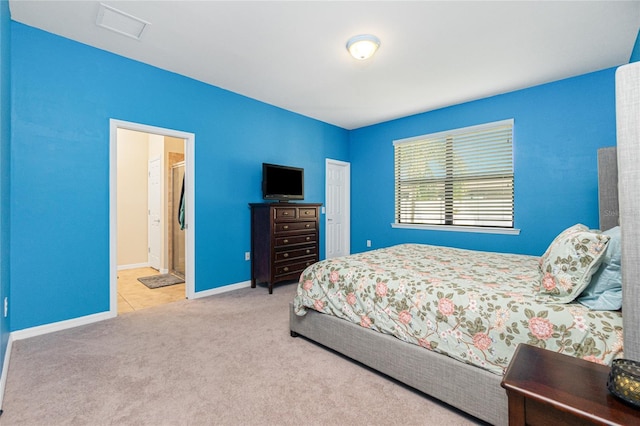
(223, 289)
(5, 368)
(141, 265)
(133, 266)
(61, 325)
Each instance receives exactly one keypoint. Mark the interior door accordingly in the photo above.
(154, 223)
(337, 204)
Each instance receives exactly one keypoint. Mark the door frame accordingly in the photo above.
(190, 228)
(173, 222)
(346, 202)
(156, 196)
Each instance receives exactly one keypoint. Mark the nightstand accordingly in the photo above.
(548, 388)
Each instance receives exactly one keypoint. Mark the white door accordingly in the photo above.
(338, 204)
(154, 197)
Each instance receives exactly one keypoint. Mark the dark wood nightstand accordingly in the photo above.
(548, 388)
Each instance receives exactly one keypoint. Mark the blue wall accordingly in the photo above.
(558, 129)
(5, 135)
(635, 54)
(64, 94)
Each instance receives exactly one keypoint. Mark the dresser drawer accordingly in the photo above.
(295, 240)
(286, 213)
(294, 213)
(306, 213)
(294, 267)
(292, 254)
(294, 227)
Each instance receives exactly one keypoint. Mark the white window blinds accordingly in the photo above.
(461, 177)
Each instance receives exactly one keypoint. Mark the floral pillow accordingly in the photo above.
(569, 262)
(561, 236)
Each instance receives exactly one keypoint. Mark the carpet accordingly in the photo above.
(162, 280)
(226, 359)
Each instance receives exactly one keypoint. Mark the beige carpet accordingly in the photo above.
(221, 360)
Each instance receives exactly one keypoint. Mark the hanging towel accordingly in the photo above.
(181, 207)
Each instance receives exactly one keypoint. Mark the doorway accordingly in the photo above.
(167, 152)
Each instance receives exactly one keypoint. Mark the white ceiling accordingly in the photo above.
(292, 54)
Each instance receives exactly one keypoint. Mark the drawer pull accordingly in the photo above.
(286, 241)
(285, 227)
(286, 269)
(285, 213)
(307, 225)
(308, 238)
(307, 212)
(285, 255)
(308, 263)
(308, 251)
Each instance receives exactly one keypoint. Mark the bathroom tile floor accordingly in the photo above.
(133, 295)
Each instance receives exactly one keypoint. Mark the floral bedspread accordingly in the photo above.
(473, 306)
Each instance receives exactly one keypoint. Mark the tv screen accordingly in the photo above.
(282, 183)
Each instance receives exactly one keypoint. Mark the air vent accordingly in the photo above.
(120, 22)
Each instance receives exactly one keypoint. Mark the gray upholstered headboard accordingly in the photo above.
(628, 135)
(608, 187)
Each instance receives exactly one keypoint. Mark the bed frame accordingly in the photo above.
(473, 390)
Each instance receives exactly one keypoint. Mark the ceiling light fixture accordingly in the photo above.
(363, 46)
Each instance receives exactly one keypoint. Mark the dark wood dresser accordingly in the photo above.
(284, 241)
(548, 388)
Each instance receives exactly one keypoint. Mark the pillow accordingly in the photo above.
(604, 292)
(564, 234)
(569, 262)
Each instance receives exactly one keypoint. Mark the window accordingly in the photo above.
(461, 177)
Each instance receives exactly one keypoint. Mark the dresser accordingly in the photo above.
(284, 241)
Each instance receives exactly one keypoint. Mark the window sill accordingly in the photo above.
(456, 228)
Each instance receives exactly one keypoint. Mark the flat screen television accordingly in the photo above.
(282, 183)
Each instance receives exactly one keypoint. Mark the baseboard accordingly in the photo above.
(5, 369)
(141, 265)
(133, 266)
(223, 289)
(59, 326)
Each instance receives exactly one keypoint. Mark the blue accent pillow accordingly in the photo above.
(604, 292)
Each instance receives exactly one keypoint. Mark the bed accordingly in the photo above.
(461, 336)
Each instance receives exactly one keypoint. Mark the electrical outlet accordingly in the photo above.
(368, 243)
(247, 255)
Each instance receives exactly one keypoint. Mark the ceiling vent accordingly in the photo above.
(120, 22)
